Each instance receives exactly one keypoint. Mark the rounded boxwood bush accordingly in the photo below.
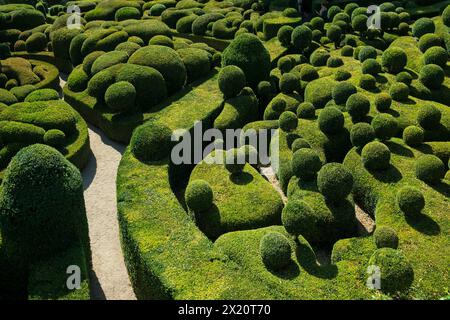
(399, 91)
(446, 16)
(98, 84)
(383, 101)
(432, 76)
(342, 75)
(317, 23)
(385, 237)
(331, 120)
(376, 156)
(275, 251)
(284, 35)
(196, 61)
(161, 40)
(294, 216)
(332, 11)
(334, 33)
(89, 60)
(126, 13)
(429, 117)
(305, 163)
(231, 80)
(347, 51)
(423, 26)
(334, 62)
(157, 9)
(42, 95)
(319, 57)
(361, 134)
(371, 66)
(403, 28)
(334, 181)
(342, 91)
(436, 55)
(235, 160)
(120, 96)
(359, 23)
(55, 138)
(308, 73)
(128, 47)
(199, 195)
(404, 77)
(289, 83)
(36, 42)
(410, 200)
(20, 45)
(301, 37)
(278, 104)
(77, 80)
(288, 121)
(413, 136)
(285, 64)
(264, 89)
(357, 106)
(247, 52)
(367, 82)
(429, 40)
(306, 110)
(429, 168)
(367, 52)
(396, 271)
(42, 203)
(385, 126)
(107, 60)
(394, 60)
(151, 141)
(298, 144)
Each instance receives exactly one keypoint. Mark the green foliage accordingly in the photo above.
(394, 60)
(161, 40)
(126, 13)
(285, 64)
(429, 117)
(22, 91)
(289, 83)
(98, 84)
(295, 216)
(235, 161)
(61, 39)
(410, 200)
(199, 195)
(334, 181)
(334, 62)
(404, 77)
(306, 110)
(299, 143)
(423, 26)
(385, 126)
(432, 76)
(7, 97)
(367, 52)
(319, 57)
(157, 9)
(77, 80)
(121, 96)
(200, 25)
(128, 47)
(367, 82)
(376, 156)
(399, 91)
(361, 134)
(342, 75)
(436, 55)
(288, 121)
(151, 142)
(305, 163)
(301, 37)
(385, 237)
(446, 16)
(107, 60)
(55, 138)
(358, 106)
(347, 51)
(308, 73)
(42, 95)
(75, 49)
(334, 33)
(429, 168)
(331, 120)
(371, 66)
(231, 80)
(413, 136)
(196, 61)
(342, 91)
(429, 40)
(275, 251)
(383, 102)
(36, 42)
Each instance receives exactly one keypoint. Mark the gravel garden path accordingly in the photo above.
(109, 276)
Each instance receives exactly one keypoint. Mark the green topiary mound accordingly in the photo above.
(231, 81)
(413, 136)
(319, 57)
(121, 96)
(55, 138)
(361, 134)
(284, 35)
(305, 163)
(410, 200)
(429, 117)
(299, 143)
(126, 13)
(429, 168)
(367, 52)
(357, 106)
(446, 16)
(423, 26)
(289, 83)
(306, 110)
(235, 160)
(199, 195)
(288, 121)
(295, 215)
(376, 156)
(429, 40)
(342, 91)
(396, 271)
(331, 120)
(41, 203)
(301, 37)
(275, 251)
(151, 142)
(394, 60)
(432, 76)
(383, 102)
(385, 237)
(334, 181)
(399, 91)
(371, 66)
(36, 42)
(437, 56)
(385, 126)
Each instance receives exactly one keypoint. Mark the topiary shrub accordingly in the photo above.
(278, 104)
(264, 89)
(334, 181)
(7, 97)
(376, 156)
(334, 33)
(60, 41)
(55, 138)
(199, 195)
(42, 95)
(284, 64)
(196, 61)
(305, 163)
(334, 62)
(98, 84)
(410, 200)
(394, 60)
(288, 121)
(248, 53)
(342, 91)
(161, 40)
(184, 25)
(126, 13)
(275, 251)
(342, 75)
(385, 126)
(371, 66)
(299, 143)
(235, 161)
(306, 110)
(429, 168)
(399, 91)
(432, 76)
(157, 9)
(367, 52)
(347, 51)
(121, 96)
(403, 28)
(294, 216)
(396, 271)
(404, 77)
(383, 102)
(413, 136)
(361, 134)
(308, 73)
(107, 60)
(200, 25)
(446, 16)
(332, 11)
(317, 23)
(385, 237)
(77, 80)
(89, 60)
(423, 26)
(357, 106)
(319, 57)
(289, 83)
(151, 142)
(429, 40)
(41, 203)
(331, 120)
(301, 37)
(231, 80)
(22, 91)
(128, 47)
(359, 23)
(367, 82)
(437, 56)
(36, 42)
(284, 35)
(429, 117)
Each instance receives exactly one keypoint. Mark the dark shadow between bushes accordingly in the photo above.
(398, 149)
(307, 260)
(289, 272)
(423, 223)
(241, 178)
(440, 187)
(390, 175)
(209, 222)
(381, 79)
(393, 113)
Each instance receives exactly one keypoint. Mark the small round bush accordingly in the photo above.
(332, 11)
(55, 138)
(288, 121)
(429, 168)
(334, 33)
(371, 66)
(20, 45)
(98, 84)
(42, 95)
(404, 77)
(436, 55)
(385, 237)
(376, 156)
(446, 16)
(342, 91)
(284, 35)
(285, 64)
(334, 181)
(120, 96)
(413, 136)
(347, 51)
(396, 271)
(367, 82)
(334, 62)
(199, 195)
(319, 57)
(275, 251)
(357, 106)
(342, 75)
(299, 143)
(157, 9)
(394, 60)
(306, 110)
(432, 76)
(331, 120)
(317, 23)
(399, 91)
(423, 26)
(305, 163)
(367, 52)
(308, 73)
(264, 89)
(36, 42)
(317, 35)
(383, 102)
(289, 83)
(161, 40)
(235, 160)
(359, 23)
(151, 141)
(429, 117)
(403, 28)
(231, 81)
(301, 37)
(429, 40)
(126, 13)
(361, 134)
(410, 200)
(294, 216)
(278, 104)
(385, 126)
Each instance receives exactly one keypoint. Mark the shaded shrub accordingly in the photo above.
(319, 57)
(385, 126)
(151, 142)
(394, 60)
(367, 52)
(358, 106)
(128, 47)
(423, 26)
(235, 160)
(331, 120)
(410, 200)
(342, 91)
(361, 134)
(371, 66)
(413, 136)
(120, 96)
(199, 195)
(308, 73)
(77, 80)
(98, 84)
(288, 121)
(429, 117)
(436, 55)
(301, 37)
(126, 13)
(399, 91)
(200, 25)
(383, 101)
(429, 40)
(107, 60)
(161, 40)
(184, 25)
(294, 215)
(157, 9)
(342, 75)
(385, 237)
(289, 83)
(376, 156)
(432, 76)
(298, 144)
(42, 95)
(429, 168)
(231, 80)
(36, 42)
(334, 181)
(196, 61)
(275, 251)
(305, 163)
(306, 110)
(55, 138)
(404, 77)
